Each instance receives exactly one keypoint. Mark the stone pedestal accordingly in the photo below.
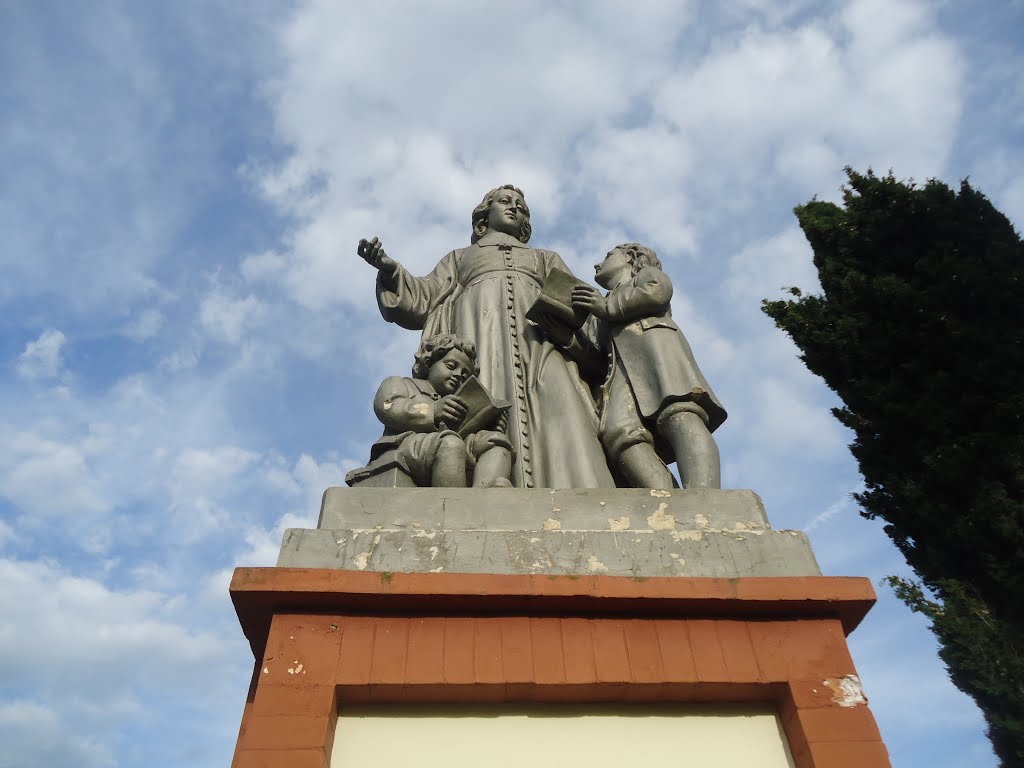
(503, 597)
(616, 532)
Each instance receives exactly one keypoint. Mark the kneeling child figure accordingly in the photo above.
(417, 413)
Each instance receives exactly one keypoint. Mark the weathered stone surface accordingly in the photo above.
(372, 477)
(537, 509)
(642, 553)
(623, 532)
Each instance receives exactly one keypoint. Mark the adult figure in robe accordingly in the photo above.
(481, 294)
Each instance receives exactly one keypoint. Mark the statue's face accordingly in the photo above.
(508, 211)
(614, 269)
(447, 374)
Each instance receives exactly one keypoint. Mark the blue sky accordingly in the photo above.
(189, 344)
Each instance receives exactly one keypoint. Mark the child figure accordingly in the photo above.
(653, 382)
(417, 412)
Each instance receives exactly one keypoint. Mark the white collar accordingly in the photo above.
(500, 238)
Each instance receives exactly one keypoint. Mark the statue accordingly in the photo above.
(419, 415)
(534, 326)
(653, 383)
(482, 294)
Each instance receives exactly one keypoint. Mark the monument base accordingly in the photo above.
(502, 601)
(331, 641)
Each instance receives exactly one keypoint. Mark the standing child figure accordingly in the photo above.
(653, 381)
(418, 414)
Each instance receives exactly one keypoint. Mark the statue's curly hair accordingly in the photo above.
(481, 212)
(434, 348)
(639, 256)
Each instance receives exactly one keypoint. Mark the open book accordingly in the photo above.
(483, 412)
(553, 310)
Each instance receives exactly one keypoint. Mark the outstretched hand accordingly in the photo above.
(372, 252)
(587, 297)
(450, 411)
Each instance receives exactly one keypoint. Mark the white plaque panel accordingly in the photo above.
(539, 736)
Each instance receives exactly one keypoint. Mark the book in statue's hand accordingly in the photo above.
(482, 412)
(553, 310)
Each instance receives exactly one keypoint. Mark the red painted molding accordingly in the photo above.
(260, 593)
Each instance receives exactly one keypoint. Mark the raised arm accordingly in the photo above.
(372, 252)
(402, 297)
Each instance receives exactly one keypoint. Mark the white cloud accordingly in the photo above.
(845, 505)
(45, 477)
(34, 734)
(7, 534)
(1013, 202)
(793, 105)
(42, 358)
(127, 630)
(265, 266)
(433, 138)
(305, 483)
(764, 267)
(84, 664)
(180, 360)
(198, 471)
(636, 178)
(228, 319)
(314, 478)
(635, 140)
(787, 421)
(144, 325)
(93, 128)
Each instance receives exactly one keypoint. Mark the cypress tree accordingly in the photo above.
(918, 330)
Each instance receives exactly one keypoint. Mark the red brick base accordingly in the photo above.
(324, 638)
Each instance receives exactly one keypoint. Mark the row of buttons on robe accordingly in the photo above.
(525, 459)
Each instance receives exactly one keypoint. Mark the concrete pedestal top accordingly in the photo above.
(622, 531)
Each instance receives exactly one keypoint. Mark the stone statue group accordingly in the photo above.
(528, 377)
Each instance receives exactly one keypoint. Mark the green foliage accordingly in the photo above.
(917, 330)
(983, 655)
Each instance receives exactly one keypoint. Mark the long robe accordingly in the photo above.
(481, 294)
